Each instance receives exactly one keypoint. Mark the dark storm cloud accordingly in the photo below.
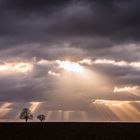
(30, 19)
(31, 28)
(114, 19)
(32, 5)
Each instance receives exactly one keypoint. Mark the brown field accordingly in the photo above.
(69, 131)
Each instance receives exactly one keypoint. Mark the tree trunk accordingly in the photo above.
(26, 119)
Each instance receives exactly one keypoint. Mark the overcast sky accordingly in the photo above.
(40, 40)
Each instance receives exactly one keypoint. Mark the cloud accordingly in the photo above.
(49, 79)
(102, 37)
(15, 67)
(51, 20)
(135, 65)
(134, 90)
(53, 73)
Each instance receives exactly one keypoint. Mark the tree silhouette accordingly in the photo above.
(41, 117)
(26, 114)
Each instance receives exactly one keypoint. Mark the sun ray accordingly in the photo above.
(4, 109)
(49, 113)
(34, 106)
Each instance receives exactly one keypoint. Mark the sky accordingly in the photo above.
(72, 60)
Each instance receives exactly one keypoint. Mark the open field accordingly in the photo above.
(69, 131)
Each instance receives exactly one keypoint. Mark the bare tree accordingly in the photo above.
(26, 114)
(41, 117)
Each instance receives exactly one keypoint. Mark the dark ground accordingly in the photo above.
(69, 131)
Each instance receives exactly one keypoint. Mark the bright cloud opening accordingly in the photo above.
(70, 66)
